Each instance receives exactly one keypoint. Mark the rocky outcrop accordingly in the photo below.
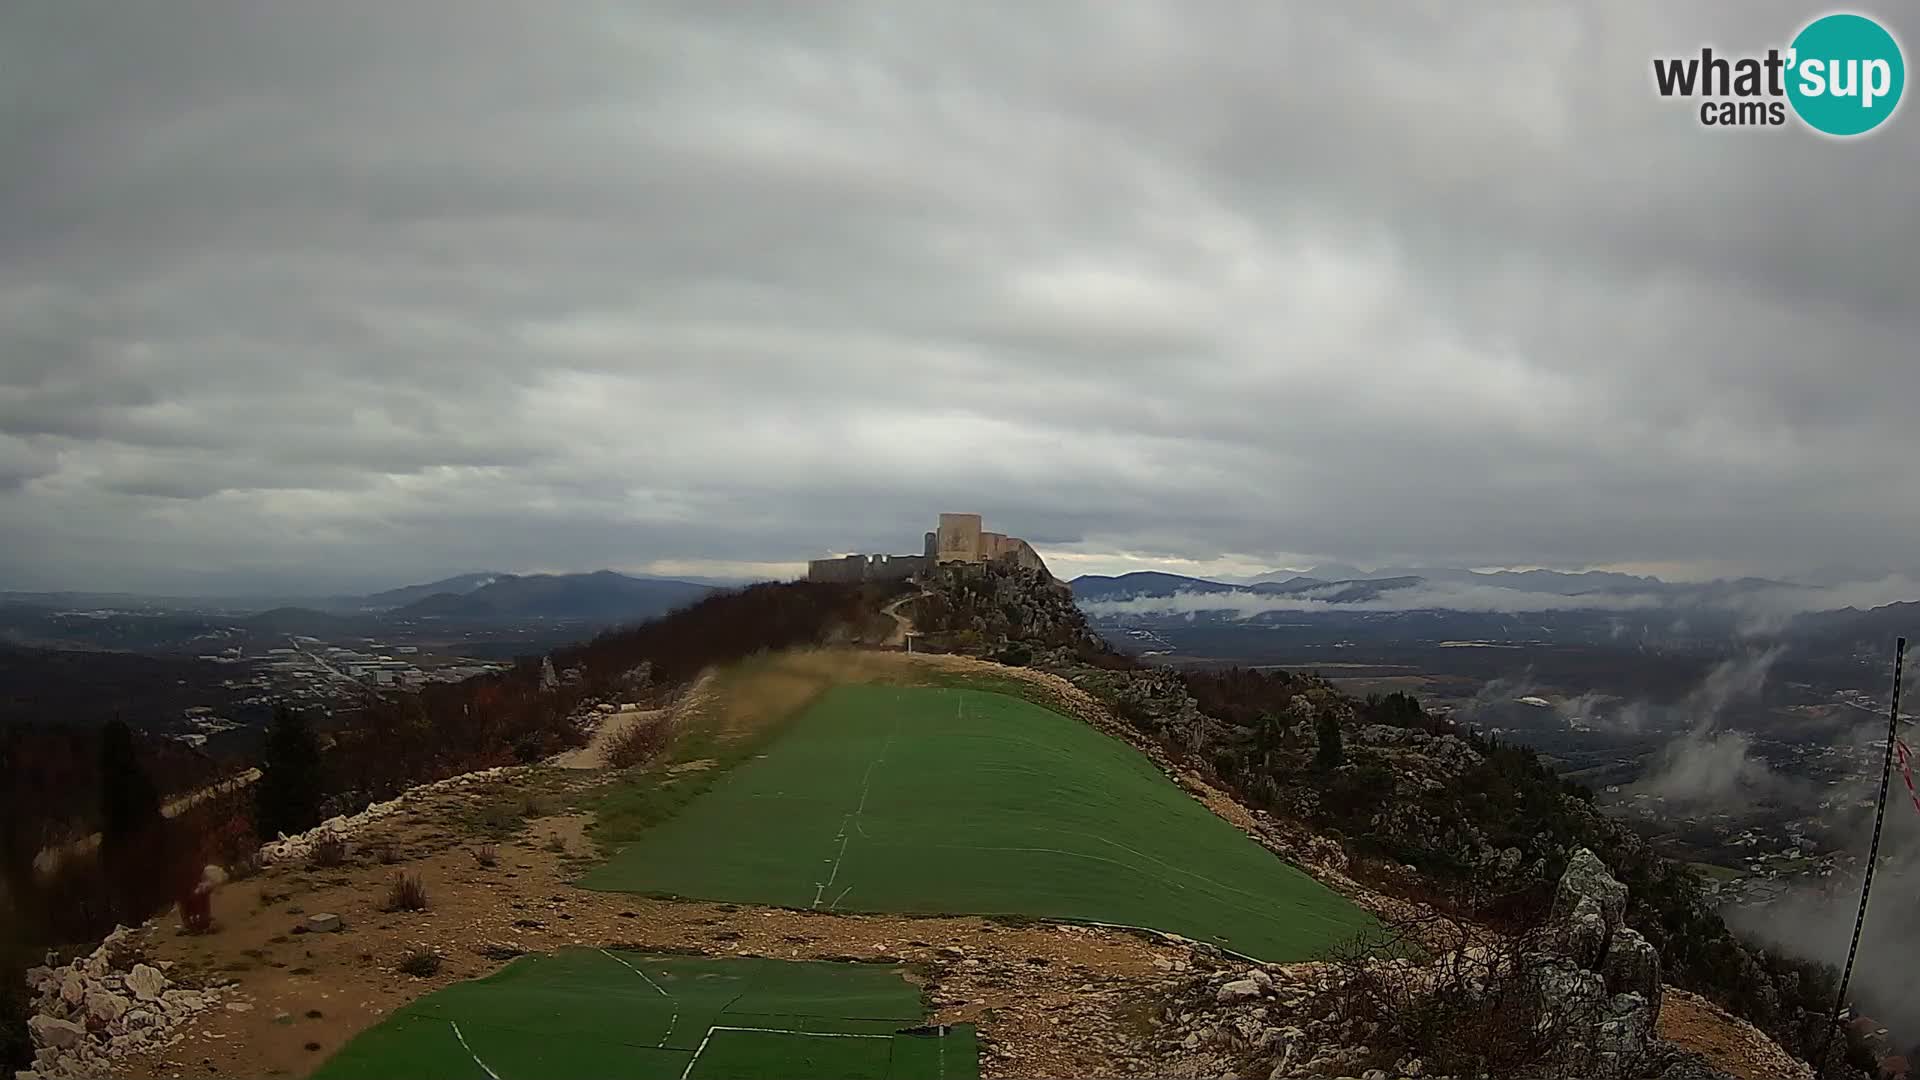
(1587, 989)
(103, 1006)
(1601, 979)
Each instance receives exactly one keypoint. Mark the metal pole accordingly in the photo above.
(1873, 853)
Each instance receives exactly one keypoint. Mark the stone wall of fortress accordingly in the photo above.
(959, 539)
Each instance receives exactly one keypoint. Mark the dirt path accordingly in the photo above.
(594, 754)
(902, 626)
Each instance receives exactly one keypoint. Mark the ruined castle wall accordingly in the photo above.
(959, 538)
(854, 569)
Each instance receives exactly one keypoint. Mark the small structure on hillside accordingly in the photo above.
(958, 539)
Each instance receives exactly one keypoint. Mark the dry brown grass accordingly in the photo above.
(639, 743)
(329, 852)
(408, 893)
(420, 963)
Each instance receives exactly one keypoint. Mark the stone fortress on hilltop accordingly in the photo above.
(959, 539)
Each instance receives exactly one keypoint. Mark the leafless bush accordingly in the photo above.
(328, 852)
(638, 744)
(408, 893)
(420, 963)
(1463, 1001)
(487, 855)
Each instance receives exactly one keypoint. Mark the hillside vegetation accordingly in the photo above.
(1422, 810)
(1415, 808)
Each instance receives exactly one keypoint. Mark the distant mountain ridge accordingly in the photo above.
(458, 585)
(602, 594)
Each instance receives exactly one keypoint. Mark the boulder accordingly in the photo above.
(50, 1032)
(1632, 966)
(1587, 877)
(106, 1007)
(146, 982)
(73, 988)
(324, 923)
(1237, 990)
(1581, 934)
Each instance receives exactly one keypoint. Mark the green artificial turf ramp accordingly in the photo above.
(595, 1013)
(955, 801)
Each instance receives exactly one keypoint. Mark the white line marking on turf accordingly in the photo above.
(469, 1050)
(671, 1021)
(708, 1037)
(804, 1034)
(866, 785)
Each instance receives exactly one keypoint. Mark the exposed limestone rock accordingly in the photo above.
(1236, 991)
(146, 982)
(82, 1020)
(1632, 966)
(1587, 877)
(48, 1031)
(1593, 983)
(106, 1007)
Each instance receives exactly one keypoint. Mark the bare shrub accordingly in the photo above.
(1463, 1001)
(487, 855)
(408, 893)
(329, 852)
(420, 963)
(638, 744)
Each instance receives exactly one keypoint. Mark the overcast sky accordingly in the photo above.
(339, 294)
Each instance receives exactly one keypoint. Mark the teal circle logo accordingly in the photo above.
(1846, 76)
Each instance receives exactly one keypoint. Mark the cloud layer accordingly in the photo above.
(354, 292)
(1758, 608)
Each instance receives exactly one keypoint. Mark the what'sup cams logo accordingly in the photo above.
(1842, 75)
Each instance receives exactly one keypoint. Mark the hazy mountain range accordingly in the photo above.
(597, 594)
(1746, 606)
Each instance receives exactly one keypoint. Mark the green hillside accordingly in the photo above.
(891, 799)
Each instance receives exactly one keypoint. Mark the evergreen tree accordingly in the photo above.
(288, 795)
(129, 803)
(1331, 752)
(133, 835)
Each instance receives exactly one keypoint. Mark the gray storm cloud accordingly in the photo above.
(368, 291)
